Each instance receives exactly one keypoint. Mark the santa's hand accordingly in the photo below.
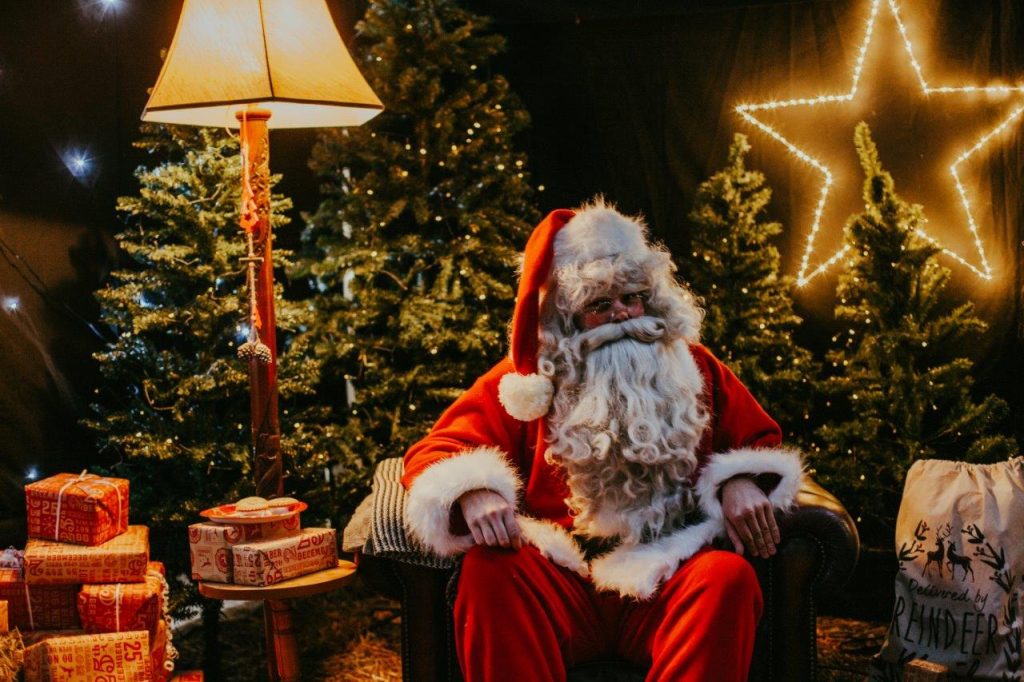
(491, 519)
(749, 518)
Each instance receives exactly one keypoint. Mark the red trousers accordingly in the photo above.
(520, 617)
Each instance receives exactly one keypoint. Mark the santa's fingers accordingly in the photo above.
(753, 535)
(515, 533)
(487, 533)
(770, 524)
(734, 537)
(768, 530)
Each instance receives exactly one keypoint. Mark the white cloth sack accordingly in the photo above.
(960, 547)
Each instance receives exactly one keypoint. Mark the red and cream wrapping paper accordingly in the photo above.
(118, 607)
(83, 509)
(36, 636)
(161, 652)
(120, 560)
(111, 657)
(37, 607)
(210, 544)
(273, 561)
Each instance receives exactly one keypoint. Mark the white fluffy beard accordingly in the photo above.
(625, 425)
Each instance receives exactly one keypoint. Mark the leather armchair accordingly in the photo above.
(818, 553)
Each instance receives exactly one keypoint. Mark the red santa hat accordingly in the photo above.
(564, 238)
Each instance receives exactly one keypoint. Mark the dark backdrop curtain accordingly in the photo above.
(632, 99)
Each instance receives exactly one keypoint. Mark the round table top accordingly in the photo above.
(304, 586)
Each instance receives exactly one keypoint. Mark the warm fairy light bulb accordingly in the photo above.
(748, 112)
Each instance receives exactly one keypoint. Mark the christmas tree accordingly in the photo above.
(749, 322)
(413, 250)
(899, 392)
(174, 405)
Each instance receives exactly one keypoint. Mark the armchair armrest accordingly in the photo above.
(819, 517)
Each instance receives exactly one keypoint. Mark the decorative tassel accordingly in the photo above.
(253, 347)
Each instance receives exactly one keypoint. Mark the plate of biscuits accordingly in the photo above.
(255, 510)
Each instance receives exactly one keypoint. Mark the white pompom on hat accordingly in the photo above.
(593, 232)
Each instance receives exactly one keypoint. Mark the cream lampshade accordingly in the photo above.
(281, 55)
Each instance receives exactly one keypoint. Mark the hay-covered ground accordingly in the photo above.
(353, 636)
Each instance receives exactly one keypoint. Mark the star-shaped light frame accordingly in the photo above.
(748, 112)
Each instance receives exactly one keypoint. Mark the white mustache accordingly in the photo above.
(645, 329)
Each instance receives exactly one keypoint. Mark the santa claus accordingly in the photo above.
(586, 476)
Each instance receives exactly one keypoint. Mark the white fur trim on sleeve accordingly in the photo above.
(638, 570)
(433, 492)
(554, 542)
(525, 396)
(753, 461)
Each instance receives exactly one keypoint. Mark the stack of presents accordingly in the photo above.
(259, 542)
(88, 602)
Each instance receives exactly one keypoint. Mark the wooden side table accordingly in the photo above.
(282, 651)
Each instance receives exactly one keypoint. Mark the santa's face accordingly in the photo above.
(618, 305)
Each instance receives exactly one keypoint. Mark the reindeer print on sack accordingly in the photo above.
(939, 554)
(956, 560)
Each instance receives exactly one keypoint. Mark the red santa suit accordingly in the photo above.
(528, 613)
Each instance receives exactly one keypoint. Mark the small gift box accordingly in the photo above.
(210, 544)
(112, 657)
(122, 559)
(37, 607)
(272, 561)
(188, 676)
(119, 607)
(82, 509)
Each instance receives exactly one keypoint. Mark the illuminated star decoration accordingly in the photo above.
(749, 113)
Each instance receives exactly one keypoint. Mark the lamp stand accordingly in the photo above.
(282, 654)
(266, 427)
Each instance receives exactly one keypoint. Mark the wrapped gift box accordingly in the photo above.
(188, 676)
(210, 544)
(118, 607)
(161, 654)
(112, 657)
(4, 624)
(272, 561)
(83, 509)
(122, 559)
(37, 607)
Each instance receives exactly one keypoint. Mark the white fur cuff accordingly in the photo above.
(554, 542)
(433, 492)
(751, 461)
(525, 396)
(638, 570)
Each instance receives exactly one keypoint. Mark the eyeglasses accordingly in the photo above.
(603, 305)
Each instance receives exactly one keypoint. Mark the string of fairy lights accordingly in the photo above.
(748, 111)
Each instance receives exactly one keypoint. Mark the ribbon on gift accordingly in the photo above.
(28, 606)
(117, 608)
(84, 476)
